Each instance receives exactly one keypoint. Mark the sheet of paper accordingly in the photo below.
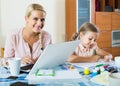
(90, 64)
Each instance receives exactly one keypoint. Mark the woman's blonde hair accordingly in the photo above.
(84, 28)
(33, 7)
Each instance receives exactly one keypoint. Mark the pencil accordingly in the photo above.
(94, 51)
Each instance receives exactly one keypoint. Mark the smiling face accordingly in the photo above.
(88, 39)
(35, 21)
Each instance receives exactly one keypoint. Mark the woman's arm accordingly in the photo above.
(9, 46)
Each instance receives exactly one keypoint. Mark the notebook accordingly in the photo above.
(54, 55)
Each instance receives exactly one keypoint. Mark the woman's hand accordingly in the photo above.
(27, 60)
(35, 59)
(107, 58)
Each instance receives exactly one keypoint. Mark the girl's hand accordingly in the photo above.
(108, 58)
(27, 60)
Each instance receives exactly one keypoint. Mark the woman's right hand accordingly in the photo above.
(27, 60)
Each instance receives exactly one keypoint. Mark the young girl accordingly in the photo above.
(87, 50)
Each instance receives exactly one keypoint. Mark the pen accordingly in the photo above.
(94, 51)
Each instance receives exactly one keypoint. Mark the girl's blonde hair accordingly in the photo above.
(84, 28)
(33, 7)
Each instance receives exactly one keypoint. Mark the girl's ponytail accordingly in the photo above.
(75, 36)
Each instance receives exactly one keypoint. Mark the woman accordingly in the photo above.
(29, 41)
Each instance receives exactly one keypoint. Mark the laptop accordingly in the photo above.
(54, 55)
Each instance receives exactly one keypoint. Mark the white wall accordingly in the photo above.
(12, 17)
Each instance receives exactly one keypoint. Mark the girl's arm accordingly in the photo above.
(76, 59)
(104, 55)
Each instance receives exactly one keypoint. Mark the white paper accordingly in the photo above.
(83, 65)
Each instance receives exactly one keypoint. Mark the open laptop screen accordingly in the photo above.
(54, 55)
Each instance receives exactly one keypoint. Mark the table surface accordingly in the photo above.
(84, 81)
